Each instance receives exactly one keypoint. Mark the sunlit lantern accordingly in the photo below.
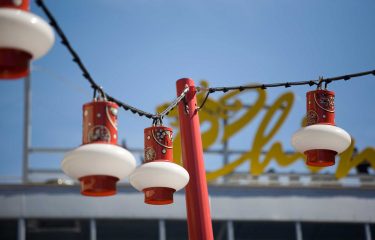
(23, 37)
(158, 177)
(99, 163)
(321, 140)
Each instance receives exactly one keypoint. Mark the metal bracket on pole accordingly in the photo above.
(197, 202)
(186, 104)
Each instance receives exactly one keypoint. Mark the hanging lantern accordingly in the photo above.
(99, 163)
(158, 177)
(321, 140)
(24, 37)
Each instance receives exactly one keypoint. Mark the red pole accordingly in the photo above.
(197, 204)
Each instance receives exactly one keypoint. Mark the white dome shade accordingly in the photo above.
(159, 174)
(98, 159)
(25, 31)
(321, 136)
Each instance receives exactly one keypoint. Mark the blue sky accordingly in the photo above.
(137, 49)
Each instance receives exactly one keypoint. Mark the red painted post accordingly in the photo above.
(197, 203)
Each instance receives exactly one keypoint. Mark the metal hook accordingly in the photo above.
(154, 122)
(158, 121)
(94, 94)
(104, 96)
(320, 83)
(186, 105)
(326, 84)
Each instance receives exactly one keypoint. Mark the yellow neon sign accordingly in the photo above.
(276, 114)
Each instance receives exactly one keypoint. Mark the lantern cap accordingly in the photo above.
(159, 195)
(25, 31)
(98, 159)
(159, 174)
(98, 185)
(321, 136)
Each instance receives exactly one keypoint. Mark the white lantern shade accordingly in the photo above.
(321, 136)
(98, 159)
(25, 31)
(159, 174)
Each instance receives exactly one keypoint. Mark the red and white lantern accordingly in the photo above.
(158, 177)
(321, 140)
(24, 37)
(99, 163)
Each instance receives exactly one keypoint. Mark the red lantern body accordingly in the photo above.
(320, 110)
(99, 126)
(14, 63)
(158, 144)
(100, 122)
(320, 107)
(158, 148)
(18, 4)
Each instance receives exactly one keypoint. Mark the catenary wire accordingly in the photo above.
(94, 85)
(159, 117)
(318, 83)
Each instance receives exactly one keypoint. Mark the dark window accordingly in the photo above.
(176, 230)
(264, 230)
(8, 229)
(46, 229)
(220, 230)
(333, 231)
(127, 229)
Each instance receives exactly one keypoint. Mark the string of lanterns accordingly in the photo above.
(99, 163)
(141, 113)
(320, 140)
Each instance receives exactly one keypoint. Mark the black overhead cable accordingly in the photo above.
(288, 84)
(318, 83)
(94, 85)
(158, 117)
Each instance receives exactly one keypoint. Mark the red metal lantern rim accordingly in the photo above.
(324, 157)
(322, 123)
(22, 5)
(160, 160)
(113, 104)
(98, 185)
(101, 142)
(159, 126)
(160, 195)
(321, 90)
(320, 163)
(14, 63)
